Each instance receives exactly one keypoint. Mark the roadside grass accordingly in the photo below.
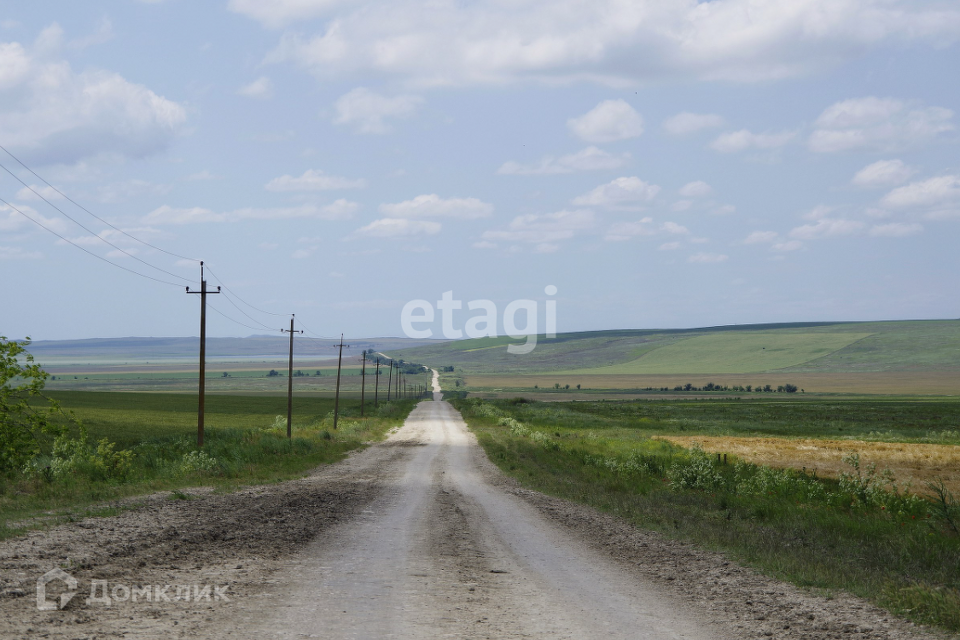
(861, 533)
(155, 435)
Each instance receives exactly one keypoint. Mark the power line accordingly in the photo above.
(93, 233)
(269, 313)
(234, 320)
(227, 297)
(316, 335)
(41, 178)
(68, 241)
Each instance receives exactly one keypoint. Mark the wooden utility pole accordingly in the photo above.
(363, 380)
(290, 377)
(336, 400)
(203, 350)
(389, 380)
(376, 385)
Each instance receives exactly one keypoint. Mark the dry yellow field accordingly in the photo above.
(916, 463)
(876, 382)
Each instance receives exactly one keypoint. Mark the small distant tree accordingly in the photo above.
(225, 375)
(578, 387)
(790, 388)
(767, 388)
(749, 388)
(318, 373)
(273, 372)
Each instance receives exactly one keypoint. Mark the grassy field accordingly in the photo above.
(318, 378)
(742, 352)
(861, 532)
(154, 448)
(923, 346)
(936, 383)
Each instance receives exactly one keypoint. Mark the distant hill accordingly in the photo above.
(917, 345)
(160, 349)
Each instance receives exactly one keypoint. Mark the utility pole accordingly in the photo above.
(376, 386)
(290, 376)
(336, 400)
(389, 380)
(203, 349)
(363, 380)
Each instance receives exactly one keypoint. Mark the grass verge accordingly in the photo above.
(860, 533)
(157, 454)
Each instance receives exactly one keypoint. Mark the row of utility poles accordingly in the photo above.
(402, 390)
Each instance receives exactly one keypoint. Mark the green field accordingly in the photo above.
(860, 534)
(153, 446)
(742, 352)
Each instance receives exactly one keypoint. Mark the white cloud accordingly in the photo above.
(14, 221)
(432, 205)
(724, 210)
(609, 121)
(741, 140)
(879, 124)
(883, 173)
(171, 215)
(896, 229)
(589, 159)
(697, 189)
(313, 180)
(673, 227)
(51, 114)
(338, 210)
(669, 246)
(622, 231)
(609, 41)
(686, 122)
(826, 228)
(707, 258)
(201, 175)
(366, 111)
(261, 88)
(35, 192)
(16, 253)
(394, 227)
(280, 13)
(129, 189)
(628, 190)
(790, 245)
(681, 205)
(544, 228)
(818, 212)
(933, 192)
(761, 236)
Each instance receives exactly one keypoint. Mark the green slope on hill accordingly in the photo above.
(744, 352)
(927, 345)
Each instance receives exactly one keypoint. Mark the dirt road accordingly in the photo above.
(416, 537)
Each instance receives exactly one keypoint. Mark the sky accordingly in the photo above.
(636, 164)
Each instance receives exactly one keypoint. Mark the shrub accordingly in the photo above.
(695, 471)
